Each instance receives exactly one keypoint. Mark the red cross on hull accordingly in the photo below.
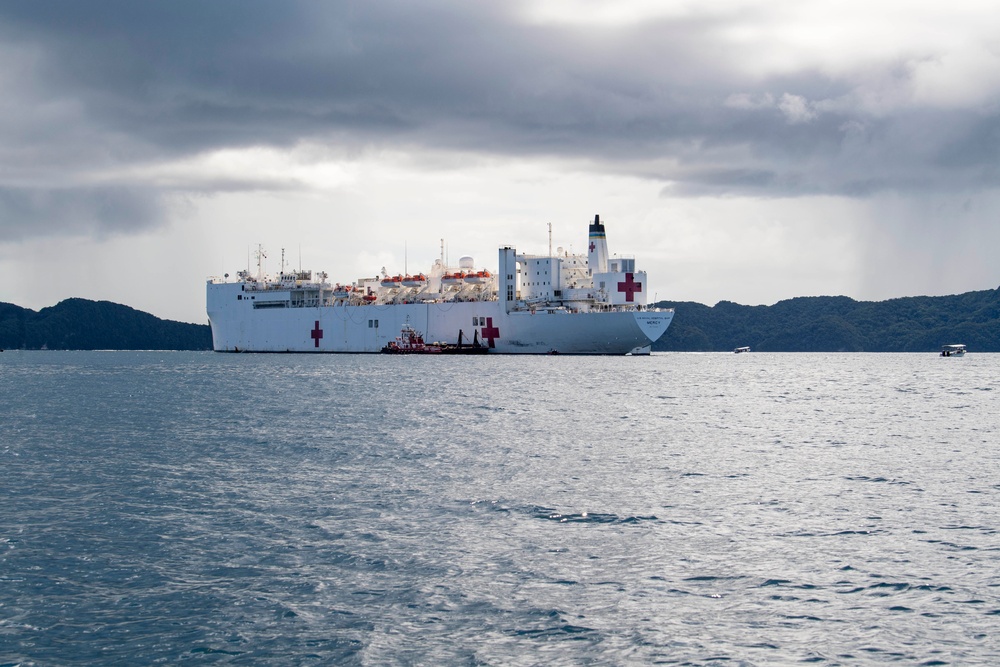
(629, 287)
(490, 332)
(316, 333)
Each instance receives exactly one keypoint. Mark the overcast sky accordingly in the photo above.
(742, 151)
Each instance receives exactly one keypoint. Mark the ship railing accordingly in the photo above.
(582, 306)
(254, 286)
(627, 308)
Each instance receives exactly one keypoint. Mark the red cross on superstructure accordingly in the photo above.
(316, 333)
(490, 332)
(630, 287)
(592, 246)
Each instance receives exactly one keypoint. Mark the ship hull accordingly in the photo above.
(239, 326)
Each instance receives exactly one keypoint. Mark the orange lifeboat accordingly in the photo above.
(453, 278)
(418, 280)
(478, 277)
(394, 281)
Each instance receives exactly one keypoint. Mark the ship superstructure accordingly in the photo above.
(536, 304)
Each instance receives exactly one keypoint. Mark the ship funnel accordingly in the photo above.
(597, 257)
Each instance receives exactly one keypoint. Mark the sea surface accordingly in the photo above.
(700, 509)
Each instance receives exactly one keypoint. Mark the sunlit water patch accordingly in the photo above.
(679, 508)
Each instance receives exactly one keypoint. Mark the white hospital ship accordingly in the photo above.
(560, 303)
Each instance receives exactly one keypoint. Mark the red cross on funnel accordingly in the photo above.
(629, 287)
(316, 333)
(490, 332)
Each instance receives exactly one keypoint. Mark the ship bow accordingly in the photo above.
(654, 323)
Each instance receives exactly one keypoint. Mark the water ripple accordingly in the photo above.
(679, 509)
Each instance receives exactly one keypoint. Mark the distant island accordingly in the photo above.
(81, 324)
(803, 324)
(838, 324)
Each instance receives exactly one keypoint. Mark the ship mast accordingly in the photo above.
(261, 256)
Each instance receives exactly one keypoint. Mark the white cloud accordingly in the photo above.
(750, 101)
(740, 249)
(796, 109)
(305, 166)
(166, 152)
(967, 76)
(601, 13)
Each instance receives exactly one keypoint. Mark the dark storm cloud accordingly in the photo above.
(27, 211)
(102, 87)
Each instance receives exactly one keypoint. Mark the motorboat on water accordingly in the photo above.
(411, 341)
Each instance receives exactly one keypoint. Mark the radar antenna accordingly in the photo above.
(261, 256)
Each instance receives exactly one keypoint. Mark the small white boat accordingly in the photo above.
(745, 348)
(954, 350)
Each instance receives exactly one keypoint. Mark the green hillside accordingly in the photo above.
(80, 324)
(838, 324)
(804, 324)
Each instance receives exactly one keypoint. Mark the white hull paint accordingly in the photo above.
(347, 329)
(523, 311)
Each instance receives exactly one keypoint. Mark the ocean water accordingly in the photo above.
(699, 509)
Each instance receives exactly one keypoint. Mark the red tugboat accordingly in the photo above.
(410, 341)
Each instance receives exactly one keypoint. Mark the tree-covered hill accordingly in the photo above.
(804, 324)
(80, 324)
(838, 324)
